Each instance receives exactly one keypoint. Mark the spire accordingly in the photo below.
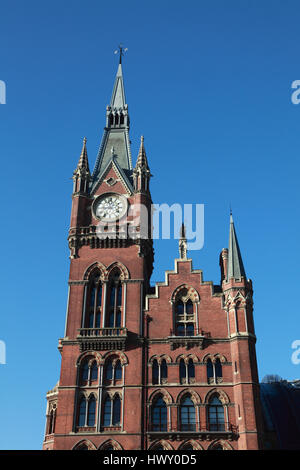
(81, 175)
(118, 95)
(235, 267)
(115, 136)
(83, 159)
(141, 173)
(142, 161)
(182, 243)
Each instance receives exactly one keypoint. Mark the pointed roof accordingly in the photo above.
(235, 267)
(182, 245)
(118, 95)
(142, 161)
(115, 144)
(83, 163)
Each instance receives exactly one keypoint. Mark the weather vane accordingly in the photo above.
(121, 51)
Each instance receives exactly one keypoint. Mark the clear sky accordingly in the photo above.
(208, 83)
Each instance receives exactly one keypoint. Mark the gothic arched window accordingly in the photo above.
(114, 301)
(159, 417)
(93, 302)
(91, 414)
(112, 411)
(82, 412)
(186, 371)
(159, 372)
(214, 371)
(184, 315)
(187, 414)
(113, 370)
(88, 372)
(215, 414)
(155, 372)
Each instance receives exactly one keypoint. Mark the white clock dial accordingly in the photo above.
(110, 207)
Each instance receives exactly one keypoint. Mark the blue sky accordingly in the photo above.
(209, 86)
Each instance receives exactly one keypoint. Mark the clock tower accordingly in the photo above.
(100, 387)
(168, 367)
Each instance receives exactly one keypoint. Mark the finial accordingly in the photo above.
(142, 139)
(84, 140)
(182, 243)
(121, 51)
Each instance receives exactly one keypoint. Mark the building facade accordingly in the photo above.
(166, 367)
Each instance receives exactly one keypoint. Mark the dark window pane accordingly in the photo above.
(164, 369)
(116, 411)
(119, 297)
(94, 371)
(118, 371)
(209, 368)
(189, 307)
(112, 296)
(182, 369)
(155, 372)
(118, 319)
(180, 329)
(91, 412)
(82, 409)
(190, 329)
(179, 308)
(91, 319)
(99, 296)
(98, 317)
(107, 412)
(218, 367)
(191, 369)
(109, 371)
(85, 371)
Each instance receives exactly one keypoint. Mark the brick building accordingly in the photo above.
(165, 367)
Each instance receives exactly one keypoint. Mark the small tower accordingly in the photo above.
(141, 173)
(81, 175)
(182, 243)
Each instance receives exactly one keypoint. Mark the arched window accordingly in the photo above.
(112, 411)
(214, 371)
(187, 371)
(184, 315)
(85, 371)
(215, 416)
(52, 417)
(182, 371)
(113, 370)
(82, 412)
(159, 372)
(114, 301)
(209, 370)
(155, 372)
(88, 372)
(91, 415)
(159, 415)
(218, 368)
(164, 371)
(122, 118)
(94, 371)
(116, 417)
(93, 302)
(187, 415)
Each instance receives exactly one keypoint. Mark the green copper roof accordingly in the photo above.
(235, 267)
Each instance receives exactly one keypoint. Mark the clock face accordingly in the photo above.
(110, 207)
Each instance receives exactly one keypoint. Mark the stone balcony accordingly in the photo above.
(102, 339)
